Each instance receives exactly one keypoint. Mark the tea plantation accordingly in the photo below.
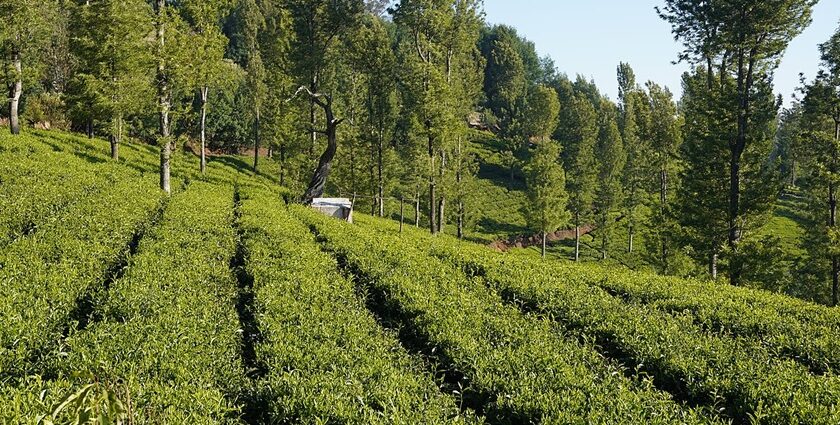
(223, 304)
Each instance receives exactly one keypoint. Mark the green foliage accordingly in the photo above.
(579, 138)
(516, 367)
(686, 347)
(611, 161)
(347, 368)
(547, 198)
(542, 112)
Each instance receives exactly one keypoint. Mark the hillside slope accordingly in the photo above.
(221, 304)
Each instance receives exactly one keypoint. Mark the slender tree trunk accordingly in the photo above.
(432, 184)
(379, 172)
(631, 229)
(832, 205)
(713, 264)
(115, 139)
(744, 84)
(544, 236)
(15, 93)
(402, 215)
(322, 172)
(256, 140)
(282, 164)
(203, 131)
(604, 242)
(163, 101)
(442, 202)
(313, 134)
(458, 180)
(577, 237)
(89, 128)
(417, 210)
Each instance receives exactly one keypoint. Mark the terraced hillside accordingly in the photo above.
(221, 304)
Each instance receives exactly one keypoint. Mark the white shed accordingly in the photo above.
(341, 208)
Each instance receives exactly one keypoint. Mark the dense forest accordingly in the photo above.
(384, 101)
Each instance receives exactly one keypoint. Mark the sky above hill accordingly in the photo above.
(591, 37)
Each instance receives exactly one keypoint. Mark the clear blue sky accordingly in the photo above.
(591, 37)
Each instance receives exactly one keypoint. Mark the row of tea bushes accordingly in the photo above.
(327, 359)
(516, 368)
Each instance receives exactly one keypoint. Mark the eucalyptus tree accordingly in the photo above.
(375, 61)
(164, 101)
(611, 161)
(428, 53)
(741, 40)
(665, 137)
(110, 42)
(208, 45)
(547, 198)
(27, 26)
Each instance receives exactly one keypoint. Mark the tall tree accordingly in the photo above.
(428, 30)
(163, 93)
(611, 160)
(111, 44)
(821, 149)
(665, 140)
(374, 60)
(547, 197)
(579, 137)
(318, 24)
(744, 39)
(209, 45)
(27, 25)
(633, 110)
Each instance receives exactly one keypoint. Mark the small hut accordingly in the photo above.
(341, 208)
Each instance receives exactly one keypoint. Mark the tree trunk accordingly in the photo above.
(402, 216)
(442, 202)
(544, 235)
(313, 134)
(663, 187)
(163, 101)
(744, 85)
(322, 172)
(417, 210)
(713, 261)
(203, 131)
(15, 93)
(380, 177)
(832, 217)
(115, 140)
(630, 232)
(734, 208)
(432, 184)
(89, 128)
(604, 242)
(256, 140)
(282, 164)
(577, 237)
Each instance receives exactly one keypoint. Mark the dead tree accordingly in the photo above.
(322, 172)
